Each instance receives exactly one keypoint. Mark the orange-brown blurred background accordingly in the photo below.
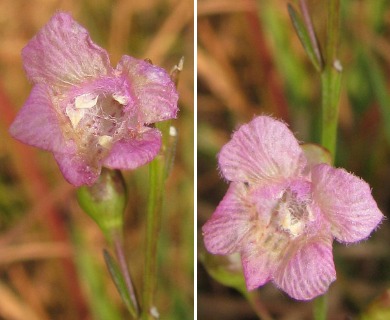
(250, 62)
(51, 264)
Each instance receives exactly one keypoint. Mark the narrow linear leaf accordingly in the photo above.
(304, 37)
(119, 281)
(102, 306)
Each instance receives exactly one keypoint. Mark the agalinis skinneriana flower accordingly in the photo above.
(85, 112)
(281, 213)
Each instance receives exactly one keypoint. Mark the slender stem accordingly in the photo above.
(320, 305)
(156, 178)
(118, 245)
(257, 305)
(158, 172)
(331, 85)
(331, 79)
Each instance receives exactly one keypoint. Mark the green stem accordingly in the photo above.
(320, 305)
(152, 230)
(331, 85)
(253, 298)
(156, 179)
(331, 80)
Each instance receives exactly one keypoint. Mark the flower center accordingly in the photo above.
(293, 210)
(97, 119)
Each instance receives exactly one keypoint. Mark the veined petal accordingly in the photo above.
(307, 268)
(154, 90)
(229, 224)
(62, 54)
(346, 202)
(261, 151)
(37, 123)
(258, 266)
(132, 153)
(76, 169)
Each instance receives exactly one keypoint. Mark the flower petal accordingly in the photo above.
(262, 150)
(76, 169)
(62, 54)
(346, 202)
(37, 123)
(154, 90)
(258, 266)
(229, 224)
(308, 270)
(133, 153)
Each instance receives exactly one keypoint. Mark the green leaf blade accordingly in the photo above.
(304, 37)
(119, 281)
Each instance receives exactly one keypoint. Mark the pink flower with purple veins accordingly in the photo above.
(85, 112)
(281, 213)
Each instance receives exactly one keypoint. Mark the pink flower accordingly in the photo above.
(85, 112)
(282, 213)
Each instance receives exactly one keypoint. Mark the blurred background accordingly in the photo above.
(250, 62)
(51, 264)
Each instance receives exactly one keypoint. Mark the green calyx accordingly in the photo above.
(227, 270)
(316, 154)
(105, 201)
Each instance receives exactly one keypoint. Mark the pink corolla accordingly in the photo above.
(282, 212)
(85, 112)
